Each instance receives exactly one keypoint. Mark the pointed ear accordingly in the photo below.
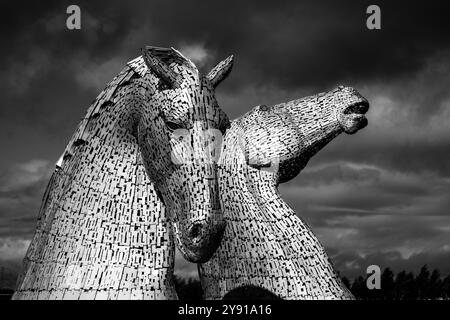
(161, 69)
(221, 71)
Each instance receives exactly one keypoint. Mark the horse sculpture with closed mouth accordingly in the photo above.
(124, 190)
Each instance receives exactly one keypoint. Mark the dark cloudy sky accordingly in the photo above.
(378, 197)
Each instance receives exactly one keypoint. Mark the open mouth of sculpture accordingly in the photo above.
(353, 116)
(358, 108)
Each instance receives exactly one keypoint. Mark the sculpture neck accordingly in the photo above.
(102, 232)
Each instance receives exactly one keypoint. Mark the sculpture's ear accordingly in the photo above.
(161, 69)
(220, 71)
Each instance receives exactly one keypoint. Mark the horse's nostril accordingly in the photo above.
(195, 231)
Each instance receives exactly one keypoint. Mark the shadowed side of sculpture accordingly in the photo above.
(250, 293)
(104, 229)
(266, 244)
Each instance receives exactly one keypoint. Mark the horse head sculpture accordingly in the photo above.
(140, 164)
(287, 135)
(180, 143)
(266, 245)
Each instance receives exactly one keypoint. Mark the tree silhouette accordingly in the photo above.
(188, 289)
(404, 286)
(422, 283)
(401, 282)
(387, 291)
(410, 288)
(435, 285)
(446, 287)
(346, 282)
(359, 288)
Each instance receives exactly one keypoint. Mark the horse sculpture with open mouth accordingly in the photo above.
(266, 247)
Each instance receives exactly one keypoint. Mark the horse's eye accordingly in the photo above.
(173, 126)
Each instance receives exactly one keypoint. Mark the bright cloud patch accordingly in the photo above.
(25, 174)
(197, 53)
(13, 249)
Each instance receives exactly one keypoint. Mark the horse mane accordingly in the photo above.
(102, 231)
